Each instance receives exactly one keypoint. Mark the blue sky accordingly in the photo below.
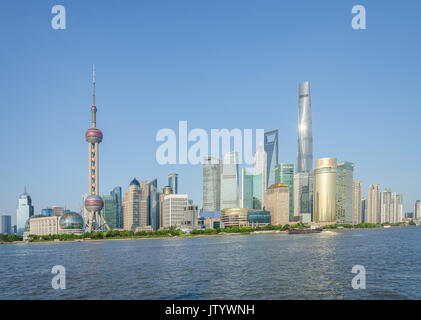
(217, 64)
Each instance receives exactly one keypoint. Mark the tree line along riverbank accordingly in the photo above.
(173, 232)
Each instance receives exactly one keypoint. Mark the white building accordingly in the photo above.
(174, 210)
(229, 181)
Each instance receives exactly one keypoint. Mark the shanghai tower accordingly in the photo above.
(305, 132)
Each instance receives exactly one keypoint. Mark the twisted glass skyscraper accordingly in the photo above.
(305, 131)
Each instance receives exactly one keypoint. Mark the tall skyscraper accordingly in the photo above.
(229, 181)
(6, 225)
(386, 206)
(325, 190)
(277, 202)
(417, 209)
(154, 194)
(144, 207)
(117, 194)
(303, 195)
(305, 131)
(24, 212)
(271, 148)
(132, 203)
(252, 191)
(211, 184)
(94, 202)
(345, 177)
(284, 173)
(173, 182)
(396, 214)
(373, 204)
(260, 163)
(357, 211)
(364, 209)
(165, 192)
(110, 211)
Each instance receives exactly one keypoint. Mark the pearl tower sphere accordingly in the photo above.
(93, 136)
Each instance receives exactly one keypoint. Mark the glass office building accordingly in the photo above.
(229, 181)
(303, 195)
(271, 148)
(344, 192)
(153, 215)
(258, 217)
(116, 193)
(211, 184)
(305, 131)
(173, 182)
(284, 173)
(6, 225)
(110, 211)
(252, 190)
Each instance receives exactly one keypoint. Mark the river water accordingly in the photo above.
(264, 266)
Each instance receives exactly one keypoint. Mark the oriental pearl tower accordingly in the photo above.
(94, 202)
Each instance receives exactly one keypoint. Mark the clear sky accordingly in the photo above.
(217, 64)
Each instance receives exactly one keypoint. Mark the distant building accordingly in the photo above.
(271, 148)
(303, 195)
(154, 194)
(344, 189)
(229, 181)
(284, 173)
(324, 203)
(6, 224)
(47, 212)
(397, 208)
(165, 191)
(277, 203)
(364, 209)
(417, 209)
(373, 204)
(173, 182)
(24, 212)
(211, 184)
(144, 207)
(258, 218)
(234, 217)
(117, 195)
(132, 201)
(260, 165)
(252, 191)
(68, 223)
(58, 211)
(357, 211)
(110, 211)
(386, 206)
(174, 210)
(212, 223)
(191, 217)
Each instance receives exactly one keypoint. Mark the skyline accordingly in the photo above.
(56, 100)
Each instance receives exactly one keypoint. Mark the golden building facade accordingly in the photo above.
(324, 201)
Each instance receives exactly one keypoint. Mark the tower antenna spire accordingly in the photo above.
(93, 84)
(93, 109)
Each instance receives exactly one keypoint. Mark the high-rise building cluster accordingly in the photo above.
(271, 192)
(324, 195)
